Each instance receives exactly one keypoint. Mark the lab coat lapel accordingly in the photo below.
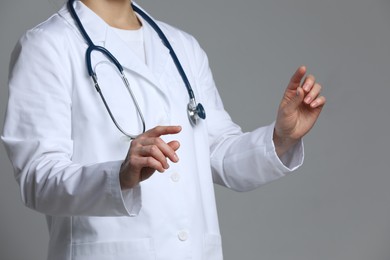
(157, 55)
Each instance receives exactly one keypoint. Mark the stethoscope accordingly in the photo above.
(194, 110)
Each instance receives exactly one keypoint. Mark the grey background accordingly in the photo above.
(337, 206)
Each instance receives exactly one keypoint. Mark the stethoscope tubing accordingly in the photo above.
(194, 110)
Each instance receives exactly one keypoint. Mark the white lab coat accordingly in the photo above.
(66, 152)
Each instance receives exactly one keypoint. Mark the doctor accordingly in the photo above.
(108, 196)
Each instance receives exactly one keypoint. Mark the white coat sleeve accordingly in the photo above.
(38, 137)
(240, 161)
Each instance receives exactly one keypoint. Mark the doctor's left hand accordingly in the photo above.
(148, 153)
(298, 111)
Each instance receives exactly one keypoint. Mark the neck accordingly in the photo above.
(116, 13)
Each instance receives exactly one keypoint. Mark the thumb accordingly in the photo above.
(297, 100)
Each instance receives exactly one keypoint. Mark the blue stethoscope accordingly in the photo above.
(194, 110)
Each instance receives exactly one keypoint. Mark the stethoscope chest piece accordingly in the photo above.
(195, 111)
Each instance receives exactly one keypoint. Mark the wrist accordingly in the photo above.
(282, 143)
(124, 180)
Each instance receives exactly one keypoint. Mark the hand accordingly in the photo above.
(148, 153)
(298, 111)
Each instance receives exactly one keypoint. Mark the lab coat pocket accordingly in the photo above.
(212, 247)
(140, 249)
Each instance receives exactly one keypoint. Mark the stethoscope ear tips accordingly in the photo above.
(195, 112)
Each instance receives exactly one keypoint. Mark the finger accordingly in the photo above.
(165, 148)
(293, 103)
(308, 83)
(147, 162)
(159, 148)
(162, 130)
(295, 80)
(151, 137)
(319, 102)
(154, 152)
(297, 100)
(313, 94)
(174, 145)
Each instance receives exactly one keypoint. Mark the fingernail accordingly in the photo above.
(306, 87)
(314, 104)
(176, 158)
(307, 99)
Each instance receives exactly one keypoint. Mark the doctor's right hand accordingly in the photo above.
(148, 153)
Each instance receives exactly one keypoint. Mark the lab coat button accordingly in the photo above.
(175, 177)
(183, 235)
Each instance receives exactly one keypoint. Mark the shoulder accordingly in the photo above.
(46, 41)
(42, 49)
(52, 34)
(52, 28)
